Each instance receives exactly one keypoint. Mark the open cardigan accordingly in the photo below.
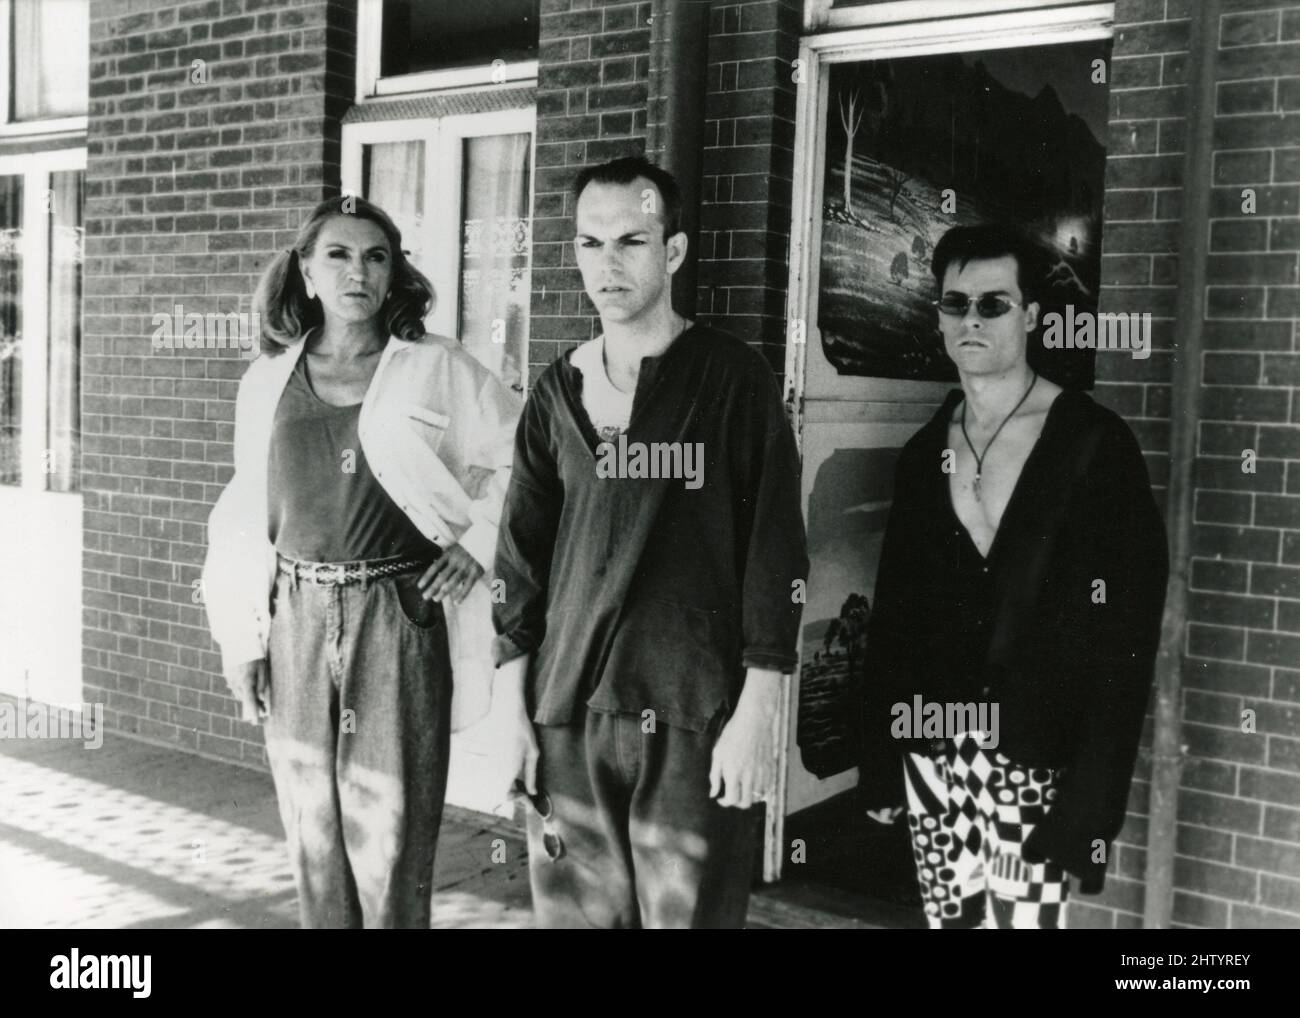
(1069, 660)
(438, 431)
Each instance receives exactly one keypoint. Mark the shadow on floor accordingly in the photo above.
(131, 835)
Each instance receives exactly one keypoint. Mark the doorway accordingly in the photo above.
(41, 201)
(903, 131)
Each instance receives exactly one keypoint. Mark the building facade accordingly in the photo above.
(202, 132)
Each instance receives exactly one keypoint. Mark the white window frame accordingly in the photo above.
(822, 15)
(371, 85)
(34, 167)
(882, 31)
(443, 152)
(13, 128)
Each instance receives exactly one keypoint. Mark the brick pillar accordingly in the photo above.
(748, 170)
(1238, 836)
(592, 86)
(213, 126)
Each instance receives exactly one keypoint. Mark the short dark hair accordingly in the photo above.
(963, 244)
(625, 170)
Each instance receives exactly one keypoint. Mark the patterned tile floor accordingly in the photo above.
(131, 835)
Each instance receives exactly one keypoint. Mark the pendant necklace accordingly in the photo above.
(979, 459)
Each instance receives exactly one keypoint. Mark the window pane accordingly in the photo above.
(63, 421)
(421, 36)
(51, 50)
(11, 329)
(392, 174)
(495, 241)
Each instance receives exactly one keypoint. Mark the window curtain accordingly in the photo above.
(51, 50)
(496, 240)
(63, 421)
(11, 329)
(394, 180)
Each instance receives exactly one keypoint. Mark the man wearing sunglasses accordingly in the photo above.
(647, 618)
(1023, 568)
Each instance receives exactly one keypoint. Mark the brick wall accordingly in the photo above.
(592, 88)
(592, 103)
(191, 186)
(745, 210)
(1238, 835)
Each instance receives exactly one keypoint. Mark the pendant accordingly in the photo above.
(977, 488)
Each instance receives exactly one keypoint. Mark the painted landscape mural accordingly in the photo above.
(915, 146)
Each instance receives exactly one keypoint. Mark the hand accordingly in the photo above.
(250, 684)
(512, 728)
(742, 758)
(885, 816)
(453, 574)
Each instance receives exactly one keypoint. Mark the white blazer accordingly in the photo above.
(437, 429)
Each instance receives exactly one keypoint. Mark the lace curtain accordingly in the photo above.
(11, 329)
(495, 242)
(63, 420)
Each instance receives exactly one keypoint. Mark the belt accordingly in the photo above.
(344, 573)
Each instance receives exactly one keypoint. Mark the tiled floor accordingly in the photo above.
(133, 835)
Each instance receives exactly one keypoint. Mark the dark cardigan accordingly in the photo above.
(1071, 675)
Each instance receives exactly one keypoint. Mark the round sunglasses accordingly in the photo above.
(988, 305)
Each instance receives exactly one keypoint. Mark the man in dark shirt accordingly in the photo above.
(653, 554)
(1017, 606)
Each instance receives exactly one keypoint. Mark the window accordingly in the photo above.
(453, 164)
(41, 199)
(474, 242)
(46, 44)
(420, 37)
(413, 45)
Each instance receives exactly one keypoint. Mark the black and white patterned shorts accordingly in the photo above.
(970, 811)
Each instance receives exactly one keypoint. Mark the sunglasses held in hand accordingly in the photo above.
(542, 803)
(988, 305)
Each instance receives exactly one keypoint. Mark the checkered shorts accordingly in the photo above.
(970, 811)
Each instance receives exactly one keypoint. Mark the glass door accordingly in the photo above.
(474, 240)
(460, 190)
(901, 133)
(41, 199)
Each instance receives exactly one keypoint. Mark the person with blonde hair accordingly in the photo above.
(347, 568)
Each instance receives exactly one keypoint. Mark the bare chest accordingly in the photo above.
(1003, 461)
(341, 384)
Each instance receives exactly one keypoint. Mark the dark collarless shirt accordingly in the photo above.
(325, 504)
(637, 593)
(972, 616)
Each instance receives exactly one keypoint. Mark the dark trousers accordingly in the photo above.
(358, 739)
(643, 845)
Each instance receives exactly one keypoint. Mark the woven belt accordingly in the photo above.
(344, 573)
